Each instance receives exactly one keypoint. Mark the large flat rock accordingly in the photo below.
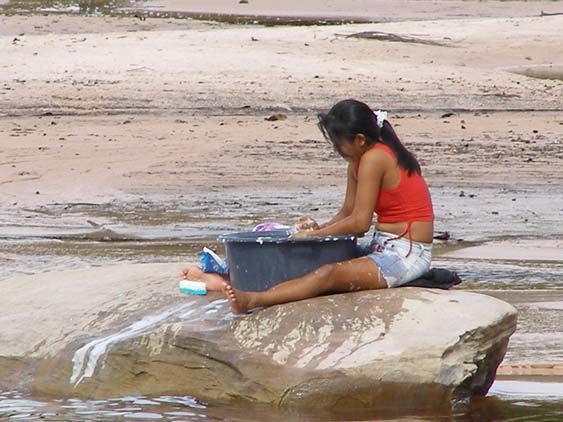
(121, 330)
(518, 249)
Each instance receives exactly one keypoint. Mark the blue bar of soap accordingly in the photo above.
(193, 287)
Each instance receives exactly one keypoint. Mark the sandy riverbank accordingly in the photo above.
(109, 106)
(215, 70)
(85, 158)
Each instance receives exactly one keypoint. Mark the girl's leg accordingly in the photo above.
(356, 274)
(213, 282)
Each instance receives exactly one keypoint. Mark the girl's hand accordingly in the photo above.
(303, 234)
(306, 223)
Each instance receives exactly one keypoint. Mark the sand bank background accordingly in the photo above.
(110, 106)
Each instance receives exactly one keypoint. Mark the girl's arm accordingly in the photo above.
(348, 205)
(308, 223)
(358, 221)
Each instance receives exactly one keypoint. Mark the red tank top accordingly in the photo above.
(409, 201)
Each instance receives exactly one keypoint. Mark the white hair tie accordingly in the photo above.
(381, 117)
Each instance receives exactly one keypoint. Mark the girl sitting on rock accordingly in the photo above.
(383, 178)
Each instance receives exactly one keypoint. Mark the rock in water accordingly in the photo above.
(122, 330)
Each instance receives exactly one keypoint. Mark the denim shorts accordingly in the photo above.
(390, 255)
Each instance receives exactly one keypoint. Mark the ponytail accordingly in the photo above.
(405, 158)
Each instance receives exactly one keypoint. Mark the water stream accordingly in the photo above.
(63, 236)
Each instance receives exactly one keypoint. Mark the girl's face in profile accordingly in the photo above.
(352, 150)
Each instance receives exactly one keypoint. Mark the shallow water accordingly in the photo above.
(542, 71)
(62, 236)
(508, 401)
(89, 7)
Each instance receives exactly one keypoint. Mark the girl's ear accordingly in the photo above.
(360, 140)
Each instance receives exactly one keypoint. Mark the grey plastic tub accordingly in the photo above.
(260, 260)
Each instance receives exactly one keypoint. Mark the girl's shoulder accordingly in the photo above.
(377, 156)
(382, 147)
(379, 153)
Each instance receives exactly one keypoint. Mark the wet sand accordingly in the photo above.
(91, 158)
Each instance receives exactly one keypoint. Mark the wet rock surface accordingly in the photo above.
(117, 330)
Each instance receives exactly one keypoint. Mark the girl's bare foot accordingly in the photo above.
(239, 300)
(186, 270)
(213, 282)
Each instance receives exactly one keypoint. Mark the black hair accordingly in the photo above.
(348, 118)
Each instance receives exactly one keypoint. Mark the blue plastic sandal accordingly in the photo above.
(210, 262)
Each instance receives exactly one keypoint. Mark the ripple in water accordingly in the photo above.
(508, 401)
(169, 408)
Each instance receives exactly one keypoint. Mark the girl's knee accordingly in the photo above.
(326, 275)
